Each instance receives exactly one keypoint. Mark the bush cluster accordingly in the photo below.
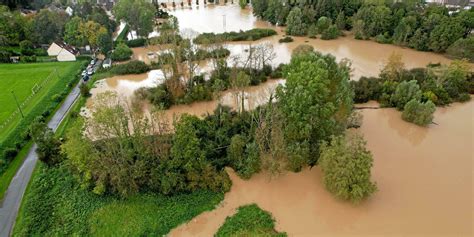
(249, 220)
(132, 67)
(121, 53)
(286, 39)
(249, 35)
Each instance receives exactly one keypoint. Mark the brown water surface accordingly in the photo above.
(424, 177)
(367, 57)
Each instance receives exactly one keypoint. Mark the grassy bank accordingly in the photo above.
(249, 220)
(21, 78)
(55, 205)
(10, 172)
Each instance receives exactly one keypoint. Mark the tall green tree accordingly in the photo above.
(346, 163)
(48, 26)
(315, 102)
(139, 15)
(404, 30)
(445, 34)
(406, 91)
(48, 146)
(259, 7)
(295, 23)
(72, 33)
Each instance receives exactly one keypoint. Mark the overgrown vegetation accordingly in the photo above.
(56, 204)
(396, 86)
(249, 35)
(183, 84)
(249, 220)
(121, 53)
(346, 163)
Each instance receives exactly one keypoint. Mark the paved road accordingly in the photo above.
(12, 200)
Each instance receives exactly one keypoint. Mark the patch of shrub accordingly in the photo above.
(462, 48)
(249, 35)
(464, 97)
(383, 38)
(28, 59)
(10, 153)
(346, 162)
(405, 91)
(418, 112)
(132, 67)
(330, 33)
(366, 88)
(286, 39)
(121, 53)
(249, 220)
(136, 43)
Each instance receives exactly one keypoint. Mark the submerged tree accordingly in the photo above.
(346, 162)
(418, 112)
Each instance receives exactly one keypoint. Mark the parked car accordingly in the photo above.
(85, 78)
(107, 63)
(84, 73)
(92, 62)
(90, 71)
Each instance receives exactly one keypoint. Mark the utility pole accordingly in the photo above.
(18, 105)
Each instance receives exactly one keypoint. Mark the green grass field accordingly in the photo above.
(21, 78)
(55, 205)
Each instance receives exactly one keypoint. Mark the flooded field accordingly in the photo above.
(424, 177)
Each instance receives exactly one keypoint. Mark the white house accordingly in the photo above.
(69, 11)
(63, 51)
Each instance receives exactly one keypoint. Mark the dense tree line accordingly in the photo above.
(426, 27)
(90, 25)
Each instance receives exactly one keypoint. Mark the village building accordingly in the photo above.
(63, 51)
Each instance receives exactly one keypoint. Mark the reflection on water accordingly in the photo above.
(126, 85)
(254, 96)
(425, 185)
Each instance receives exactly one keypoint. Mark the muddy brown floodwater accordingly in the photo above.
(424, 177)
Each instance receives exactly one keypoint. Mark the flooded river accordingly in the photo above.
(367, 57)
(424, 177)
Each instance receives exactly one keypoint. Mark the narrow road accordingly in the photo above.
(12, 200)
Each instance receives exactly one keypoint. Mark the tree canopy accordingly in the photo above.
(139, 15)
(315, 102)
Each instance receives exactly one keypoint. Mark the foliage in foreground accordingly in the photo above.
(56, 205)
(249, 220)
(116, 158)
(345, 163)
